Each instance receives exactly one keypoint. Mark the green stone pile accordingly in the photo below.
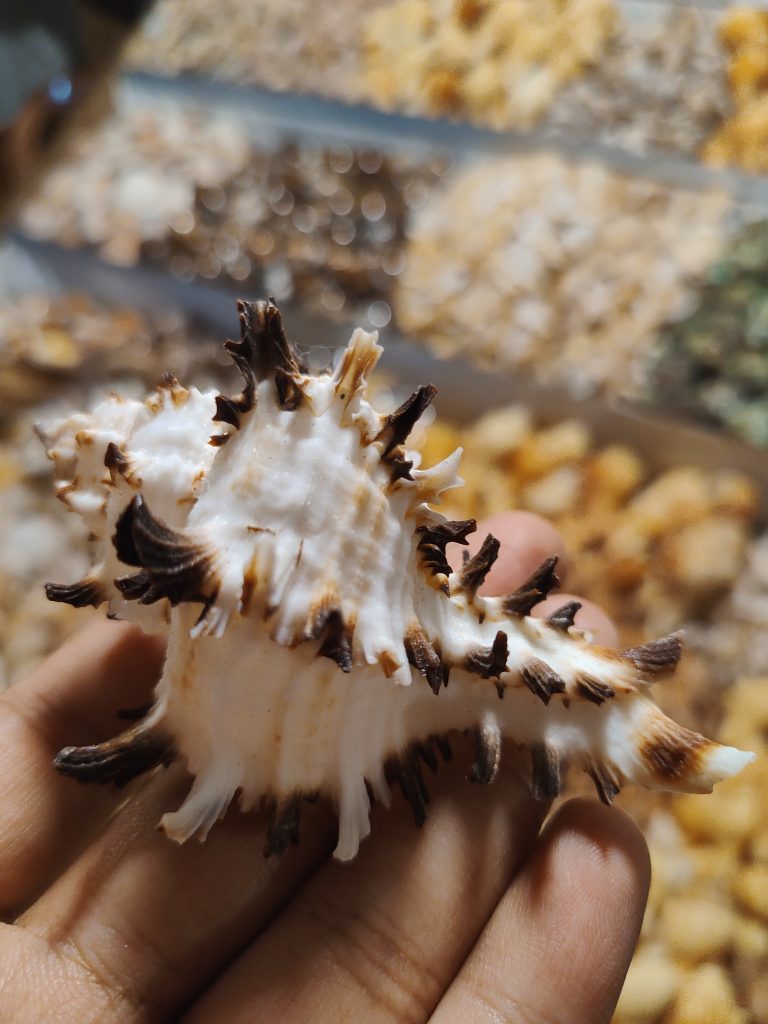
(713, 364)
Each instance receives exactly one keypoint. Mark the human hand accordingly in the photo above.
(478, 916)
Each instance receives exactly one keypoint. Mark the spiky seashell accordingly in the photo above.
(286, 542)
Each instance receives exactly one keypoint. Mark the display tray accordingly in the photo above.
(725, 630)
(269, 116)
(615, 363)
(465, 392)
(655, 78)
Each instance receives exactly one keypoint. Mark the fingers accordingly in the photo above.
(45, 819)
(159, 921)
(379, 939)
(154, 922)
(559, 944)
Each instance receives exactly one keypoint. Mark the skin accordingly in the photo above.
(488, 913)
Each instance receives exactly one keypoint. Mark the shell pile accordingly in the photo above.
(319, 641)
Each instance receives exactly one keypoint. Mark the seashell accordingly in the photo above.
(318, 639)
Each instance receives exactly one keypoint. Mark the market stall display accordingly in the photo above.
(659, 86)
(743, 138)
(655, 548)
(573, 266)
(713, 362)
(499, 63)
(284, 45)
(579, 209)
(324, 224)
(639, 76)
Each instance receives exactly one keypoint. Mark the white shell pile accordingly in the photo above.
(135, 177)
(285, 44)
(660, 84)
(573, 267)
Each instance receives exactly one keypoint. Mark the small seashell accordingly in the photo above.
(285, 541)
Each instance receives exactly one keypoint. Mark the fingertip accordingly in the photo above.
(527, 540)
(608, 846)
(590, 617)
(560, 942)
(592, 865)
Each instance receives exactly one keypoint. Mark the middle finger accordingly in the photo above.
(154, 922)
(380, 939)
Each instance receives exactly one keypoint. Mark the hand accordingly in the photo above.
(479, 916)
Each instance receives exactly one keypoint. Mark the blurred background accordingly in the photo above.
(555, 210)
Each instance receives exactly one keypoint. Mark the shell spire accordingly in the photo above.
(300, 549)
(263, 352)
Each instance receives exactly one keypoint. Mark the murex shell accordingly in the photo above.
(286, 543)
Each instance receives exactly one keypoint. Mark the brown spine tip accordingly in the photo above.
(657, 657)
(435, 539)
(542, 680)
(423, 656)
(122, 538)
(487, 662)
(427, 754)
(607, 781)
(533, 590)
(401, 470)
(227, 411)
(283, 828)
(289, 393)
(564, 617)
(85, 592)
(337, 637)
(399, 424)
(117, 760)
(593, 690)
(546, 772)
(230, 409)
(487, 754)
(267, 351)
(168, 387)
(117, 462)
(444, 746)
(474, 571)
(178, 566)
(135, 586)
(414, 789)
(263, 351)
(407, 774)
(389, 663)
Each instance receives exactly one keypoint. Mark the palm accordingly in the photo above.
(478, 916)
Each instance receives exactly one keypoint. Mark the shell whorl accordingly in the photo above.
(319, 639)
